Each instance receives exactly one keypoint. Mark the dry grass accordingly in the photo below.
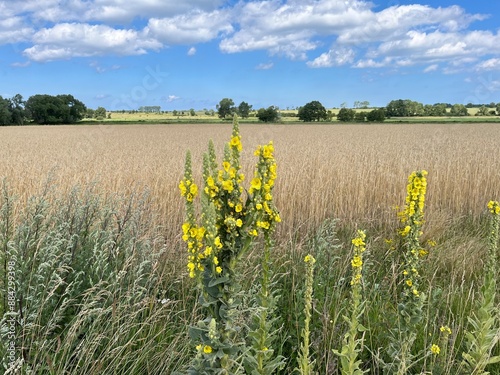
(353, 172)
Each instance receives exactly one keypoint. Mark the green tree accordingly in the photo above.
(17, 110)
(313, 111)
(346, 115)
(5, 114)
(270, 114)
(60, 109)
(192, 112)
(498, 108)
(360, 116)
(482, 111)
(90, 113)
(404, 108)
(458, 110)
(100, 113)
(225, 108)
(376, 115)
(244, 109)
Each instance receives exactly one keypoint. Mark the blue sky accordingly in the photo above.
(182, 54)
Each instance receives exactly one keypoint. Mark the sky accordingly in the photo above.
(182, 54)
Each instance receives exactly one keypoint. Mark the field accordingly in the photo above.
(355, 174)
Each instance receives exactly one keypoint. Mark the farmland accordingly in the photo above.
(355, 174)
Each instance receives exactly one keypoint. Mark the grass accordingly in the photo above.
(354, 173)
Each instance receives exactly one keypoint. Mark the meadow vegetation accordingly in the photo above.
(91, 222)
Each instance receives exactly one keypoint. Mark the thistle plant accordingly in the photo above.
(484, 331)
(230, 223)
(410, 307)
(352, 345)
(305, 365)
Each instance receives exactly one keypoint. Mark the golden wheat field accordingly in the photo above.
(352, 172)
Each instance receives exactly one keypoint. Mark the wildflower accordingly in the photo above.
(494, 207)
(435, 349)
(409, 282)
(445, 329)
(256, 184)
(238, 207)
(356, 262)
(236, 143)
(218, 269)
(207, 349)
(309, 259)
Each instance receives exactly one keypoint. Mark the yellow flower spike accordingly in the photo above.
(226, 165)
(236, 143)
(256, 183)
(356, 262)
(445, 329)
(217, 242)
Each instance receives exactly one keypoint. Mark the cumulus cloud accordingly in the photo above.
(193, 27)
(171, 98)
(337, 32)
(334, 57)
(68, 40)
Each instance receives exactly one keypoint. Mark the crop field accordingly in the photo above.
(118, 185)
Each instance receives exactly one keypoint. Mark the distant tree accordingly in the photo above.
(404, 108)
(225, 108)
(17, 109)
(90, 113)
(364, 104)
(498, 109)
(175, 113)
(60, 109)
(376, 115)
(343, 105)
(492, 105)
(192, 112)
(109, 115)
(312, 111)
(5, 114)
(360, 116)
(270, 114)
(346, 115)
(100, 113)
(458, 110)
(244, 109)
(482, 111)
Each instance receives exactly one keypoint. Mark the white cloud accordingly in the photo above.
(334, 57)
(264, 66)
(191, 51)
(490, 64)
(83, 40)
(14, 29)
(431, 68)
(171, 98)
(189, 28)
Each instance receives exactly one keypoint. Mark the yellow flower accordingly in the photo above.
(193, 189)
(358, 242)
(228, 185)
(445, 329)
(256, 183)
(409, 282)
(198, 347)
(238, 207)
(356, 262)
(239, 223)
(226, 166)
(309, 259)
(258, 206)
(253, 232)
(208, 251)
(207, 349)
(435, 349)
(236, 143)
(217, 242)
(494, 207)
(216, 261)
(218, 269)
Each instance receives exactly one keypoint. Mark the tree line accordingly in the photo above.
(41, 109)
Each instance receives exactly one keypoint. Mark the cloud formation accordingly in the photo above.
(322, 33)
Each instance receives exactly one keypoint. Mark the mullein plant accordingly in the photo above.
(352, 344)
(231, 221)
(484, 331)
(410, 306)
(305, 365)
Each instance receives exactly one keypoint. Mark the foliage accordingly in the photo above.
(376, 115)
(270, 114)
(312, 111)
(459, 110)
(100, 113)
(244, 109)
(225, 108)
(60, 109)
(346, 115)
(89, 286)
(12, 110)
(404, 108)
